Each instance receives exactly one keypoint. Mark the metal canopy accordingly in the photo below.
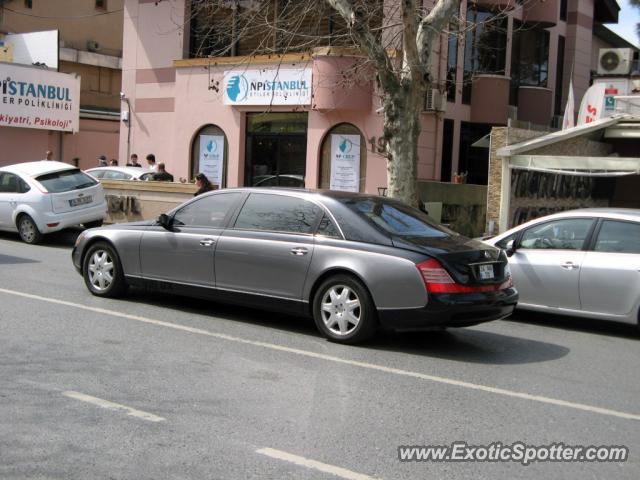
(582, 166)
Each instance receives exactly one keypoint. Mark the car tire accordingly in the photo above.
(102, 271)
(344, 311)
(94, 224)
(28, 230)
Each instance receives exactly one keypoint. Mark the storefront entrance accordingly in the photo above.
(276, 150)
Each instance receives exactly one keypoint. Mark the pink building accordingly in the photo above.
(90, 46)
(514, 64)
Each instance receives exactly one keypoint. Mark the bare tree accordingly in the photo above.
(395, 38)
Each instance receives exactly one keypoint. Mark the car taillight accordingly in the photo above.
(437, 280)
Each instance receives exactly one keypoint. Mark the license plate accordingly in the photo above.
(486, 272)
(74, 202)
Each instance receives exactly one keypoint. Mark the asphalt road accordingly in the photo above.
(153, 387)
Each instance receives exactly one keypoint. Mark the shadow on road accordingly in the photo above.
(470, 346)
(463, 345)
(62, 239)
(577, 324)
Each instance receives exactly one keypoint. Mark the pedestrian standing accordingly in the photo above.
(162, 175)
(203, 184)
(151, 161)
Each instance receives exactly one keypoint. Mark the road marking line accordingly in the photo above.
(313, 464)
(344, 361)
(113, 406)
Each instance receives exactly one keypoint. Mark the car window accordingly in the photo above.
(65, 181)
(23, 187)
(277, 213)
(97, 173)
(565, 234)
(114, 175)
(146, 176)
(396, 218)
(619, 237)
(327, 228)
(209, 211)
(8, 182)
(503, 243)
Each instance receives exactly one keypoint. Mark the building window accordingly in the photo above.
(344, 132)
(529, 58)
(28, 3)
(219, 29)
(559, 76)
(563, 10)
(452, 63)
(485, 47)
(101, 4)
(209, 155)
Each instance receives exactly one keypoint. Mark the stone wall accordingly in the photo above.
(503, 136)
(129, 201)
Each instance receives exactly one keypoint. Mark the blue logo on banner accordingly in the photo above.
(345, 146)
(237, 88)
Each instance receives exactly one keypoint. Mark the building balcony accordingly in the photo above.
(544, 13)
(341, 83)
(535, 104)
(490, 99)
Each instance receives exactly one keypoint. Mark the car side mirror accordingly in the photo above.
(511, 248)
(165, 221)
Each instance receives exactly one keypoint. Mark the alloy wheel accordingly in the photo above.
(101, 270)
(341, 310)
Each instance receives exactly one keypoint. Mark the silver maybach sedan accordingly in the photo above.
(353, 262)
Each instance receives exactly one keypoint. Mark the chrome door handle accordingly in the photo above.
(568, 265)
(207, 242)
(299, 251)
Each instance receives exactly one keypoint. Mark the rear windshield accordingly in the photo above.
(396, 218)
(65, 181)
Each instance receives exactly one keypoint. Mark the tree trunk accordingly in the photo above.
(402, 129)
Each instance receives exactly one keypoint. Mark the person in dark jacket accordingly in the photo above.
(203, 184)
(162, 175)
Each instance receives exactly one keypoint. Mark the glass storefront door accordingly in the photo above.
(276, 150)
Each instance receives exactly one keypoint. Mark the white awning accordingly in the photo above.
(582, 166)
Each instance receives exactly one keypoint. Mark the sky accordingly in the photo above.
(628, 18)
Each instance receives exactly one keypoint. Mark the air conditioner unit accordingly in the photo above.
(435, 101)
(93, 46)
(615, 61)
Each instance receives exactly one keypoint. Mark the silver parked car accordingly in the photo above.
(353, 262)
(581, 262)
(120, 173)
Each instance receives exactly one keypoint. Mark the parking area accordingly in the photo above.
(158, 386)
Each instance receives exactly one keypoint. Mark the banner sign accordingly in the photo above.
(267, 86)
(345, 163)
(39, 98)
(212, 158)
(592, 105)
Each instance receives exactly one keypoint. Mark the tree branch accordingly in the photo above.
(367, 41)
(410, 55)
(432, 25)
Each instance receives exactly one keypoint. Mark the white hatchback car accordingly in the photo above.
(45, 196)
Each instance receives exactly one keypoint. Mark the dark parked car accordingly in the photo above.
(354, 262)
